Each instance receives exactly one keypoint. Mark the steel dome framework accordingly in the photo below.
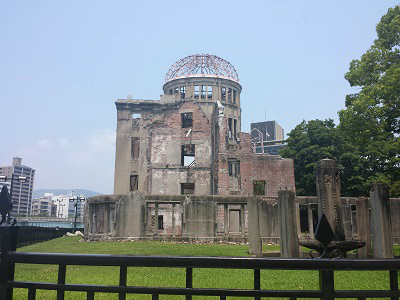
(202, 64)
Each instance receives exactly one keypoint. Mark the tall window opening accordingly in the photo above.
(223, 93)
(160, 223)
(234, 128)
(188, 155)
(259, 187)
(234, 167)
(135, 147)
(229, 95)
(183, 92)
(209, 92)
(234, 96)
(176, 90)
(230, 128)
(133, 183)
(203, 91)
(187, 120)
(187, 188)
(196, 92)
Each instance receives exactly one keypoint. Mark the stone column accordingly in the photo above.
(173, 221)
(310, 220)
(288, 241)
(255, 244)
(363, 227)
(242, 222)
(199, 217)
(122, 152)
(131, 220)
(382, 239)
(155, 219)
(328, 191)
(226, 222)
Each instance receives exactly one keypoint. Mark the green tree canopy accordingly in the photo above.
(371, 120)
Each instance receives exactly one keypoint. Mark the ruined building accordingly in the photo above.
(190, 141)
(191, 167)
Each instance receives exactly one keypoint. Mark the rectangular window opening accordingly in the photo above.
(234, 168)
(259, 187)
(209, 92)
(135, 147)
(234, 128)
(187, 120)
(203, 91)
(135, 116)
(230, 128)
(187, 188)
(176, 90)
(170, 91)
(187, 155)
(133, 183)
(183, 92)
(160, 223)
(223, 93)
(229, 95)
(196, 92)
(234, 96)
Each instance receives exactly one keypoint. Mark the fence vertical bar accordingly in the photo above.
(5, 247)
(189, 281)
(154, 297)
(394, 282)
(123, 273)
(327, 284)
(31, 294)
(90, 296)
(11, 266)
(62, 270)
(257, 281)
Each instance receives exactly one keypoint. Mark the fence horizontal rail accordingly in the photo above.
(203, 262)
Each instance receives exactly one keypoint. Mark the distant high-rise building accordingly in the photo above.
(267, 137)
(20, 190)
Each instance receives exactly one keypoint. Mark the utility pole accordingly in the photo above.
(76, 201)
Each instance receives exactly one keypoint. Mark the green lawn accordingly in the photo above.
(175, 277)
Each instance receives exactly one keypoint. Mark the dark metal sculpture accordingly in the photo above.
(326, 245)
(6, 207)
(202, 64)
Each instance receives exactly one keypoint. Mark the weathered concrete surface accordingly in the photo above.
(289, 241)
(255, 245)
(130, 221)
(199, 219)
(382, 238)
(363, 227)
(328, 191)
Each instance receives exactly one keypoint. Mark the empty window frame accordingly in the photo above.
(234, 128)
(160, 223)
(209, 92)
(230, 132)
(187, 120)
(234, 167)
(187, 155)
(133, 183)
(203, 91)
(183, 92)
(176, 90)
(229, 95)
(171, 91)
(135, 147)
(187, 188)
(196, 91)
(234, 96)
(223, 93)
(258, 187)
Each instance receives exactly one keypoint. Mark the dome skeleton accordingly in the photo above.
(202, 64)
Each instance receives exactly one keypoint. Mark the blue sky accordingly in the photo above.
(64, 63)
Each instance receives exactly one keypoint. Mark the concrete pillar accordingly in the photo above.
(122, 152)
(131, 218)
(310, 220)
(346, 212)
(328, 191)
(226, 221)
(242, 222)
(173, 220)
(255, 244)
(363, 227)
(155, 219)
(382, 239)
(106, 219)
(288, 241)
(297, 214)
(199, 217)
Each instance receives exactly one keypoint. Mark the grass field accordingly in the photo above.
(213, 278)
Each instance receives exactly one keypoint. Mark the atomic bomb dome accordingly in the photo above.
(205, 65)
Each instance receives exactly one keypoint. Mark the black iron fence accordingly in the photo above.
(326, 268)
(33, 234)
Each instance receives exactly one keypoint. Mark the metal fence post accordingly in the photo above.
(5, 248)
(327, 284)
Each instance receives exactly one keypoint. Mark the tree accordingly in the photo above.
(371, 120)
